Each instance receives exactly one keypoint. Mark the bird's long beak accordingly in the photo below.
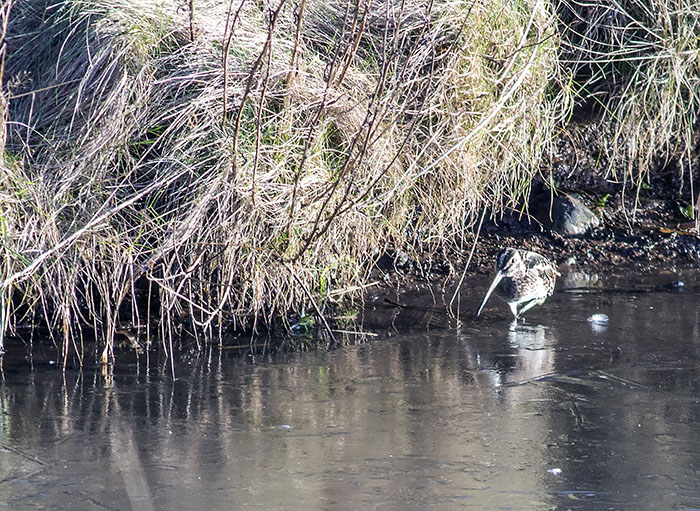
(495, 282)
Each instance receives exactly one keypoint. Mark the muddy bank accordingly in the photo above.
(413, 292)
(652, 240)
(622, 225)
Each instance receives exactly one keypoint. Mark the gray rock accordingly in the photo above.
(570, 216)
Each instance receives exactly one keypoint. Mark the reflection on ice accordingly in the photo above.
(579, 279)
(533, 352)
(526, 337)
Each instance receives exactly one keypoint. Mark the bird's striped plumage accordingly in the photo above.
(523, 279)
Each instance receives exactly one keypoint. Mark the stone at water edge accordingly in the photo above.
(570, 216)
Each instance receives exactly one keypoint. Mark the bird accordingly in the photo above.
(523, 279)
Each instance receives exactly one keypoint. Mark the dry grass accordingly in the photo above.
(637, 63)
(247, 160)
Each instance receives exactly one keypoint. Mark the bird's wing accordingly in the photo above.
(536, 261)
(537, 290)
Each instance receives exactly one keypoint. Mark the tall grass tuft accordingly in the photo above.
(636, 64)
(238, 161)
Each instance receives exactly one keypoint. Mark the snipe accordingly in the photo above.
(523, 279)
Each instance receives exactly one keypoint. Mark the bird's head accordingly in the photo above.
(509, 262)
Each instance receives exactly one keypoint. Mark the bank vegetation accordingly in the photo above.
(219, 165)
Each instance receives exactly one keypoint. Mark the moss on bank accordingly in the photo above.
(247, 160)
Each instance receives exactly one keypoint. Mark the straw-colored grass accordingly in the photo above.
(637, 63)
(244, 161)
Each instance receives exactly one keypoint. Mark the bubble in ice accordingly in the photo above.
(598, 322)
(599, 319)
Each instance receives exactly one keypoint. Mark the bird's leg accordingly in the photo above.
(527, 306)
(514, 309)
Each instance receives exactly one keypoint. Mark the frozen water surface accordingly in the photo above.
(549, 413)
